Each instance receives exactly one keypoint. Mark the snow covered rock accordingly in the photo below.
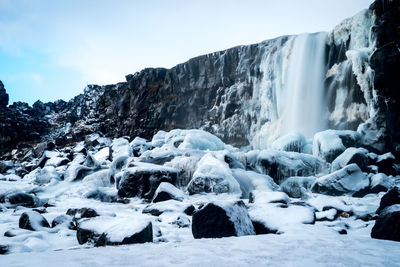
(270, 218)
(387, 225)
(200, 140)
(57, 161)
(292, 142)
(82, 213)
(115, 231)
(348, 180)
(103, 155)
(63, 220)
(218, 219)
(249, 181)
(5, 165)
(281, 164)
(264, 197)
(380, 182)
(21, 199)
(167, 191)
(297, 187)
(329, 144)
(139, 146)
(46, 175)
(349, 156)
(156, 209)
(120, 148)
(32, 220)
(212, 175)
(143, 180)
(390, 198)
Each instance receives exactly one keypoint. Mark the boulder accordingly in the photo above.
(21, 199)
(387, 225)
(63, 220)
(345, 181)
(380, 182)
(143, 180)
(222, 219)
(351, 155)
(5, 165)
(120, 148)
(292, 142)
(115, 231)
(156, 209)
(82, 213)
(281, 165)
(139, 146)
(270, 218)
(329, 144)
(167, 191)
(212, 175)
(297, 187)
(264, 197)
(32, 220)
(390, 198)
(386, 164)
(46, 175)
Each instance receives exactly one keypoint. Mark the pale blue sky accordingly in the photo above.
(51, 49)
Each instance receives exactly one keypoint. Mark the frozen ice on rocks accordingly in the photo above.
(103, 155)
(139, 146)
(351, 155)
(46, 175)
(249, 181)
(158, 139)
(292, 142)
(348, 180)
(166, 191)
(297, 187)
(121, 148)
(213, 175)
(200, 140)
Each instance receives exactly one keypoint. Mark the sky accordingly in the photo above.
(51, 49)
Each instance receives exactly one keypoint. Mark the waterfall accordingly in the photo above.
(303, 108)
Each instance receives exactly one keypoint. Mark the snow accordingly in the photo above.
(201, 140)
(263, 197)
(102, 155)
(275, 217)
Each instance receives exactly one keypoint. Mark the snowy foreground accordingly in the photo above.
(300, 246)
(90, 203)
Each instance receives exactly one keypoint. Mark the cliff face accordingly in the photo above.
(243, 94)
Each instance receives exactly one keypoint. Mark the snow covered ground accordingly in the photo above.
(305, 245)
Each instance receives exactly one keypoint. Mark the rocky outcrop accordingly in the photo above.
(3, 96)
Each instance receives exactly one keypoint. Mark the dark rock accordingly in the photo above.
(222, 220)
(5, 166)
(4, 249)
(261, 229)
(32, 220)
(143, 183)
(390, 198)
(386, 164)
(21, 199)
(190, 210)
(387, 225)
(82, 213)
(3, 96)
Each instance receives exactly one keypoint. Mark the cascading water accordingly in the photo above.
(303, 108)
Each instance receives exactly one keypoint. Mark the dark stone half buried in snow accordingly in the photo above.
(21, 199)
(142, 181)
(390, 198)
(297, 187)
(222, 219)
(349, 156)
(387, 226)
(82, 213)
(32, 220)
(115, 231)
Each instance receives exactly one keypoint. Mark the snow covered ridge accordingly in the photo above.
(188, 184)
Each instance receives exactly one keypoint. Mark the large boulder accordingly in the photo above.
(386, 164)
(294, 142)
(21, 199)
(32, 220)
(380, 182)
(390, 198)
(167, 191)
(329, 144)
(281, 164)
(144, 179)
(349, 156)
(348, 180)
(218, 219)
(387, 225)
(102, 231)
(212, 175)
